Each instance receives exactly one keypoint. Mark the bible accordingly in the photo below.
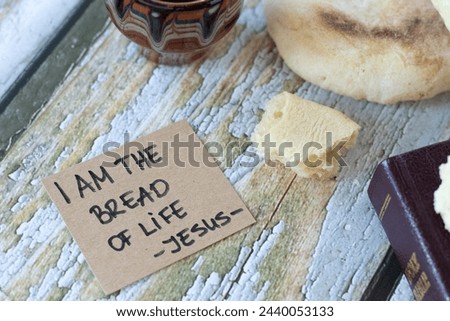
(402, 193)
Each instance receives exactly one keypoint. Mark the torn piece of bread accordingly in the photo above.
(443, 7)
(385, 51)
(309, 138)
(442, 195)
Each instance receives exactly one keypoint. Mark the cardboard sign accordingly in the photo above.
(146, 205)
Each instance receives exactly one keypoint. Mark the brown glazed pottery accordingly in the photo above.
(176, 31)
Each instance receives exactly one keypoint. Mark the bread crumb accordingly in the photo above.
(305, 136)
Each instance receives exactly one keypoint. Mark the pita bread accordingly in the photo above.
(310, 133)
(384, 51)
(443, 7)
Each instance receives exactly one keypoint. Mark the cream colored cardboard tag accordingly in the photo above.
(146, 205)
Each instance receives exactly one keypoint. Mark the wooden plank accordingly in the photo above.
(353, 243)
(314, 240)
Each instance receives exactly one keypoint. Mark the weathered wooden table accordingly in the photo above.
(73, 83)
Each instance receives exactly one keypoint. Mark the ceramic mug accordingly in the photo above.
(177, 29)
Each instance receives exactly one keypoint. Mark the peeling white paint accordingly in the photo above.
(67, 278)
(198, 264)
(253, 19)
(243, 165)
(69, 255)
(49, 282)
(240, 283)
(22, 201)
(39, 227)
(74, 292)
(156, 91)
(3, 296)
(61, 275)
(98, 82)
(81, 258)
(132, 51)
(66, 122)
(63, 157)
(403, 291)
(17, 175)
(35, 234)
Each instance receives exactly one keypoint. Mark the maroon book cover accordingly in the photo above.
(402, 193)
